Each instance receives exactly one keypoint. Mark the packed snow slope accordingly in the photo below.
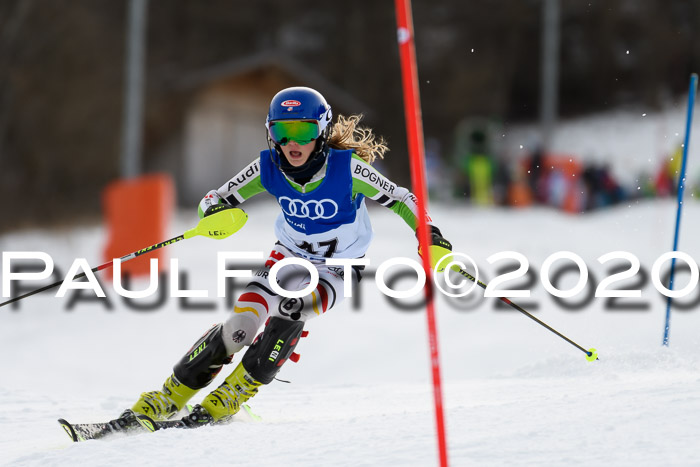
(514, 393)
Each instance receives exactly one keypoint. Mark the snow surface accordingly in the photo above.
(514, 393)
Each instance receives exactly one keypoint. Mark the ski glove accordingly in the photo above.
(439, 247)
(211, 199)
(216, 208)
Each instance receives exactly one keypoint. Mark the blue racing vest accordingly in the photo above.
(325, 208)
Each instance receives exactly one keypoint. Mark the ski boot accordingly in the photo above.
(163, 404)
(226, 400)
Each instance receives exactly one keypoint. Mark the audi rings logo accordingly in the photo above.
(312, 209)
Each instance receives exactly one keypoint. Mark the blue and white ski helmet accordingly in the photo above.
(301, 103)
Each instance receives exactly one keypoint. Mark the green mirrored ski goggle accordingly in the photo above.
(284, 131)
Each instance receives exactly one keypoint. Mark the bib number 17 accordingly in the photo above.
(326, 249)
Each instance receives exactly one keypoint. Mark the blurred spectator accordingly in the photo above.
(519, 191)
(602, 189)
(536, 176)
(438, 179)
(557, 188)
(502, 181)
(476, 170)
(666, 181)
(555, 180)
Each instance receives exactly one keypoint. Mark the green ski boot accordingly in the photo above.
(225, 401)
(164, 404)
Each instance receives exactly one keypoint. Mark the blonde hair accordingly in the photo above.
(346, 134)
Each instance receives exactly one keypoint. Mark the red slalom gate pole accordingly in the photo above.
(416, 149)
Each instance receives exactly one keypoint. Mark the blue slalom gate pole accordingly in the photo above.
(681, 189)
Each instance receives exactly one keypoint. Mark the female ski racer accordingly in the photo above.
(320, 175)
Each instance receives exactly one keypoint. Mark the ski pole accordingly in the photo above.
(591, 354)
(219, 225)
